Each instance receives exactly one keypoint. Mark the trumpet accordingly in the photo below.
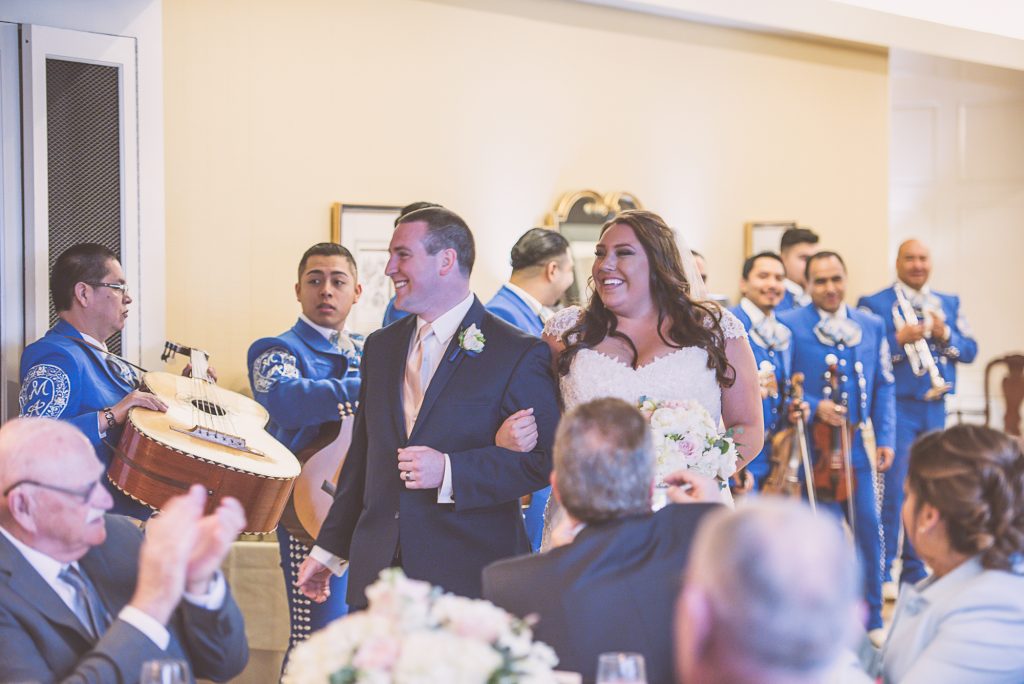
(918, 353)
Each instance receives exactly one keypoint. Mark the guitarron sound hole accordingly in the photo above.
(209, 407)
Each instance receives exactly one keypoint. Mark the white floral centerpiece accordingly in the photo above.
(686, 438)
(412, 633)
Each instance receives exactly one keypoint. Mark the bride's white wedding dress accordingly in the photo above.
(676, 375)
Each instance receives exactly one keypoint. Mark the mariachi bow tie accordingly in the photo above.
(833, 330)
(772, 333)
(123, 371)
(922, 301)
(342, 343)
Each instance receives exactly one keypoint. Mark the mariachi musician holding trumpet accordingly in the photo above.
(845, 360)
(928, 337)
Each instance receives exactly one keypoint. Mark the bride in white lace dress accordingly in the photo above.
(643, 335)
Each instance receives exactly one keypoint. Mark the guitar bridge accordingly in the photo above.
(223, 438)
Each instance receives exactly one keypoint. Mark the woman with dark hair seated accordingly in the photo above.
(964, 513)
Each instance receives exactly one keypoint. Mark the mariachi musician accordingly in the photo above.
(303, 377)
(762, 287)
(835, 344)
(68, 373)
(928, 337)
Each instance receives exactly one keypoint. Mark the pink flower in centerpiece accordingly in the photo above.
(377, 653)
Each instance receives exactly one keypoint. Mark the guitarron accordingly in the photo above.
(210, 436)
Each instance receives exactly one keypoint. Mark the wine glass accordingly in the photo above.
(621, 668)
(165, 672)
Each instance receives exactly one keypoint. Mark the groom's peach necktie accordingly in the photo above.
(416, 376)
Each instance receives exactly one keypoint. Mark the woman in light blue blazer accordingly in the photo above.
(964, 513)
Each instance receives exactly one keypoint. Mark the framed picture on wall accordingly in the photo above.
(366, 230)
(763, 236)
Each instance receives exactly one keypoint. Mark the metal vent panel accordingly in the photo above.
(83, 159)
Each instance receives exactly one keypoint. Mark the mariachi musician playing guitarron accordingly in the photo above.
(68, 374)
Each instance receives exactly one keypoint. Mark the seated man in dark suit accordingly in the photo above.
(613, 587)
(82, 597)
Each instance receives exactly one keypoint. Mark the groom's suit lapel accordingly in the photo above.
(450, 362)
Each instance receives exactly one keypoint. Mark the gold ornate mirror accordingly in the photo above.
(579, 216)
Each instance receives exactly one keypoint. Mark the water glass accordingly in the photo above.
(165, 672)
(621, 668)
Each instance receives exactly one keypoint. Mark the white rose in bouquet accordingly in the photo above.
(685, 437)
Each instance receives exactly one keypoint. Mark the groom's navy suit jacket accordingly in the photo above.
(374, 518)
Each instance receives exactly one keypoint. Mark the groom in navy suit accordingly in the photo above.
(424, 486)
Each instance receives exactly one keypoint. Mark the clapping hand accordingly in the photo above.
(214, 537)
(163, 559)
(182, 551)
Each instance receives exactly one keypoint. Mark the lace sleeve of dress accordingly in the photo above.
(563, 320)
(732, 327)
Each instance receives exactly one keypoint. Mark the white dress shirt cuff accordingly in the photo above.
(213, 599)
(334, 563)
(445, 494)
(146, 624)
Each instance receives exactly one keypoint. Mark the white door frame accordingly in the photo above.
(39, 43)
(12, 320)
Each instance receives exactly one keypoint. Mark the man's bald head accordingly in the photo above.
(39, 449)
(912, 245)
(51, 480)
(775, 578)
(913, 263)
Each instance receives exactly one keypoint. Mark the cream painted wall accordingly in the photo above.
(494, 108)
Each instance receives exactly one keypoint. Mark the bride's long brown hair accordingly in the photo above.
(692, 323)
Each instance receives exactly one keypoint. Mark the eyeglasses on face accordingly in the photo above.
(83, 494)
(120, 287)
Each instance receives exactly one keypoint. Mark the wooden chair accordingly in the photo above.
(1013, 391)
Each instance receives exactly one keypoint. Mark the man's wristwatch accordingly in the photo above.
(108, 413)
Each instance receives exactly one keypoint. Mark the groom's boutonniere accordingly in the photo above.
(471, 342)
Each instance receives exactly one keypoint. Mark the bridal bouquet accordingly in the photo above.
(412, 633)
(685, 437)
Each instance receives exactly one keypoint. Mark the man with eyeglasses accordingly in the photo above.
(82, 597)
(67, 374)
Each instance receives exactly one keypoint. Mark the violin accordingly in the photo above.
(833, 471)
(790, 451)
